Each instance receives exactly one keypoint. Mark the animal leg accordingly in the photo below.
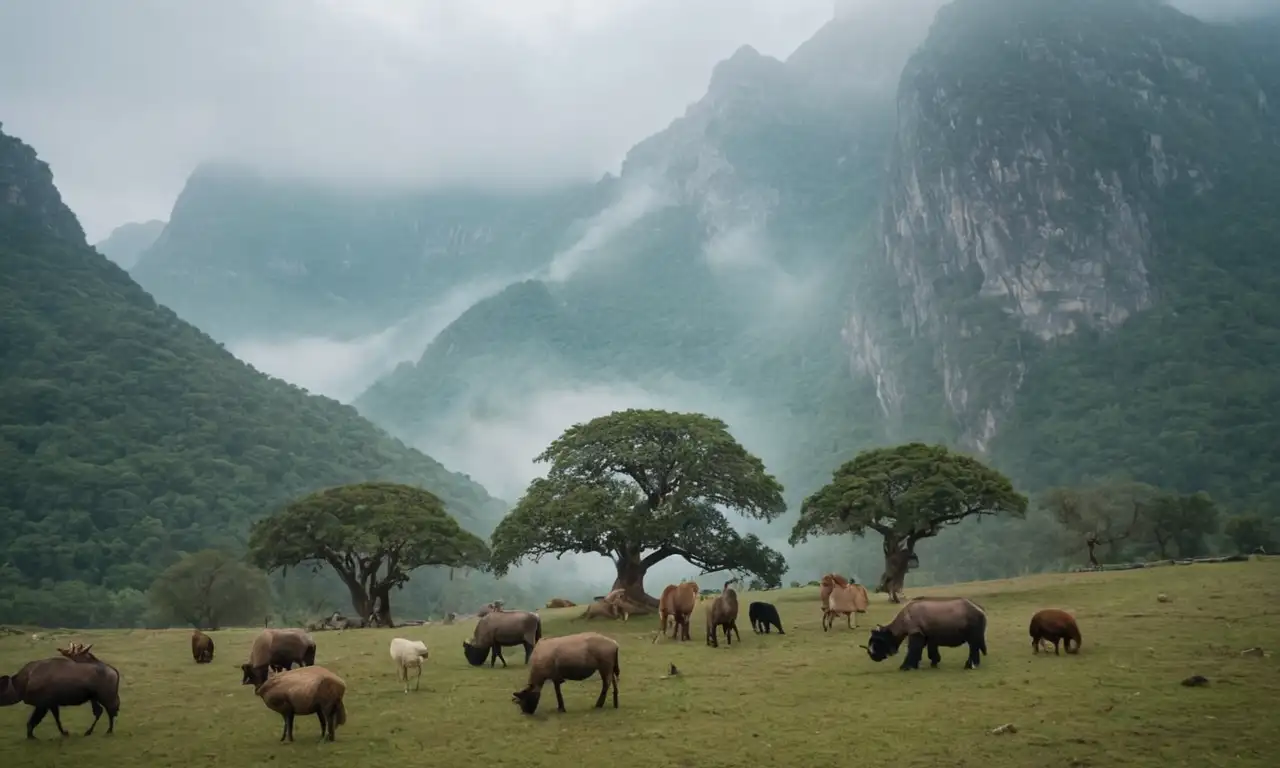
(111, 721)
(324, 724)
(497, 656)
(559, 697)
(417, 683)
(97, 715)
(935, 658)
(824, 621)
(736, 631)
(37, 715)
(973, 660)
(57, 720)
(528, 651)
(605, 674)
(915, 648)
(1055, 647)
(284, 733)
(848, 620)
(333, 722)
(1035, 644)
(779, 625)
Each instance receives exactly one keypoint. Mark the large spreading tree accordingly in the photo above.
(209, 590)
(638, 487)
(905, 493)
(373, 535)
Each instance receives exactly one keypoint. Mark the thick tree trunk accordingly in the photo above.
(897, 561)
(360, 600)
(381, 607)
(631, 578)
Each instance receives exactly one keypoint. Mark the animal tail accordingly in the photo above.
(617, 671)
(340, 713)
(537, 631)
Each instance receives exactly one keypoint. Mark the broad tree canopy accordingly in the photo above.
(640, 486)
(905, 493)
(209, 590)
(372, 535)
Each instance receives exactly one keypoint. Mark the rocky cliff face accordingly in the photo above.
(1036, 145)
(28, 196)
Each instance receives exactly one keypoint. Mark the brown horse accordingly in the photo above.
(677, 601)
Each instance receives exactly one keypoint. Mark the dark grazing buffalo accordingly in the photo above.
(930, 622)
(61, 681)
(1054, 625)
(201, 647)
(500, 629)
(762, 616)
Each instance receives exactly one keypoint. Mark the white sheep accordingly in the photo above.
(408, 653)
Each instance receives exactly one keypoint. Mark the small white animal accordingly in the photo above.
(408, 653)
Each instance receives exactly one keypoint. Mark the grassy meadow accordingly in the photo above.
(804, 699)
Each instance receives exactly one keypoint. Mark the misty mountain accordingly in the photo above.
(126, 242)
(1042, 235)
(128, 437)
(245, 255)
(1077, 246)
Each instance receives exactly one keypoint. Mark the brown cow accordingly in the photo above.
(1054, 625)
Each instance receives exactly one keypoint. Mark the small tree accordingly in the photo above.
(373, 535)
(1104, 515)
(209, 590)
(1183, 521)
(1250, 533)
(638, 487)
(906, 493)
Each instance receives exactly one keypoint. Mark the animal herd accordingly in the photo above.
(283, 672)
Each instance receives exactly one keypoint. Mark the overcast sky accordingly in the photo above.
(124, 97)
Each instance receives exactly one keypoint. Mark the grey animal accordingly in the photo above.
(48, 684)
(723, 612)
(279, 650)
(502, 628)
(570, 657)
(927, 623)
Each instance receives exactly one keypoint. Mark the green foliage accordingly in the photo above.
(128, 438)
(1250, 533)
(210, 589)
(1129, 520)
(640, 486)
(908, 493)
(373, 535)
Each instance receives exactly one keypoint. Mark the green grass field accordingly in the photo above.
(806, 699)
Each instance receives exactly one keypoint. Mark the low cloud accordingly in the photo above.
(639, 199)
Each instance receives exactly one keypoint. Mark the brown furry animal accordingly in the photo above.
(1055, 626)
(599, 609)
(306, 691)
(201, 647)
(560, 602)
(278, 649)
(723, 612)
(841, 598)
(570, 657)
(64, 681)
(677, 602)
(501, 629)
(618, 599)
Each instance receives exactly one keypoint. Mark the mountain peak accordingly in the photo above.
(28, 194)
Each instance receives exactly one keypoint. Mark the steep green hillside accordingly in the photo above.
(127, 436)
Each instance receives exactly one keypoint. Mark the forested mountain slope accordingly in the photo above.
(128, 436)
(1080, 233)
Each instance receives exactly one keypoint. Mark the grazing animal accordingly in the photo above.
(560, 602)
(723, 612)
(307, 690)
(677, 602)
(406, 654)
(1054, 626)
(279, 650)
(841, 598)
(69, 680)
(201, 647)
(499, 629)
(930, 622)
(570, 657)
(764, 615)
